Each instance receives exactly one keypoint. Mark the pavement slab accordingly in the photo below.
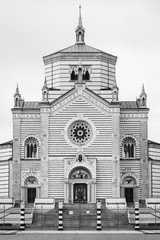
(79, 232)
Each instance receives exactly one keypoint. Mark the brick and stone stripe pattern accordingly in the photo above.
(60, 217)
(99, 224)
(137, 226)
(22, 217)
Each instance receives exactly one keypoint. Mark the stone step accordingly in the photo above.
(81, 217)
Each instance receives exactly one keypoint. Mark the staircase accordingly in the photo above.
(80, 216)
(115, 219)
(44, 219)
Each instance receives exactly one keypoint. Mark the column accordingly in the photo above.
(72, 186)
(88, 193)
(66, 191)
(93, 191)
(23, 194)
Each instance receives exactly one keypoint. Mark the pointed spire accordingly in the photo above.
(142, 101)
(80, 18)
(45, 83)
(17, 89)
(45, 91)
(17, 98)
(80, 30)
(143, 90)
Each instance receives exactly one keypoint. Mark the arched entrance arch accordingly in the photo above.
(30, 189)
(80, 185)
(130, 187)
(80, 177)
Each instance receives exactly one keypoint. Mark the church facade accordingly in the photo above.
(80, 143)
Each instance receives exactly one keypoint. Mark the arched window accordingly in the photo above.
(73, 75)
(128, 147)
(80, 37)
(16, 102)
(143, 102)
(45, 96)
(31, 147)
(86, 75)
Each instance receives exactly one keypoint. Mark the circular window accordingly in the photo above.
(80, 132)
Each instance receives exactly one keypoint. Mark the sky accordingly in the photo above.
(31, 29)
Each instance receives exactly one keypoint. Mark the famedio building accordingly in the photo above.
(80, 143)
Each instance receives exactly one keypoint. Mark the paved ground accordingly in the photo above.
(109, 235)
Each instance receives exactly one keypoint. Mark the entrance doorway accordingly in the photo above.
(129, 195)
(31, 195)
(80, 193)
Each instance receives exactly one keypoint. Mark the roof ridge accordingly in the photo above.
(80, 47)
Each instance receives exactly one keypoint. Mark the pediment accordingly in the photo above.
(81, 96)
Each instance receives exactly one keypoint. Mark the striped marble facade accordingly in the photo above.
(5, 168)
(154, 163)
(80, 86)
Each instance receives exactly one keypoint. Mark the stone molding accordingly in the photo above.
(67, 138)
(105, 108)
(34, 136)
(88, 163)
(30, 173)
(31, 116)
(129, 173)
(132, 115)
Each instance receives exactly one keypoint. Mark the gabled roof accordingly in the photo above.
(128, 105)
(80, 48)
(72, 90)
(94, 95)
(6, 143)
(31, 105)
(152, 142)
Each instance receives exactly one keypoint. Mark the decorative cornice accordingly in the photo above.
(85, 56)
(123, 116)
(27, 116)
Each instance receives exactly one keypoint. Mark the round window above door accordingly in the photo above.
(80, 132)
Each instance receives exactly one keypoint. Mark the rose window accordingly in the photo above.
(80, 132)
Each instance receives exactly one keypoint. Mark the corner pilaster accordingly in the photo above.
(115, 156)
(44, 150)
(16, 169)
(144, 158)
